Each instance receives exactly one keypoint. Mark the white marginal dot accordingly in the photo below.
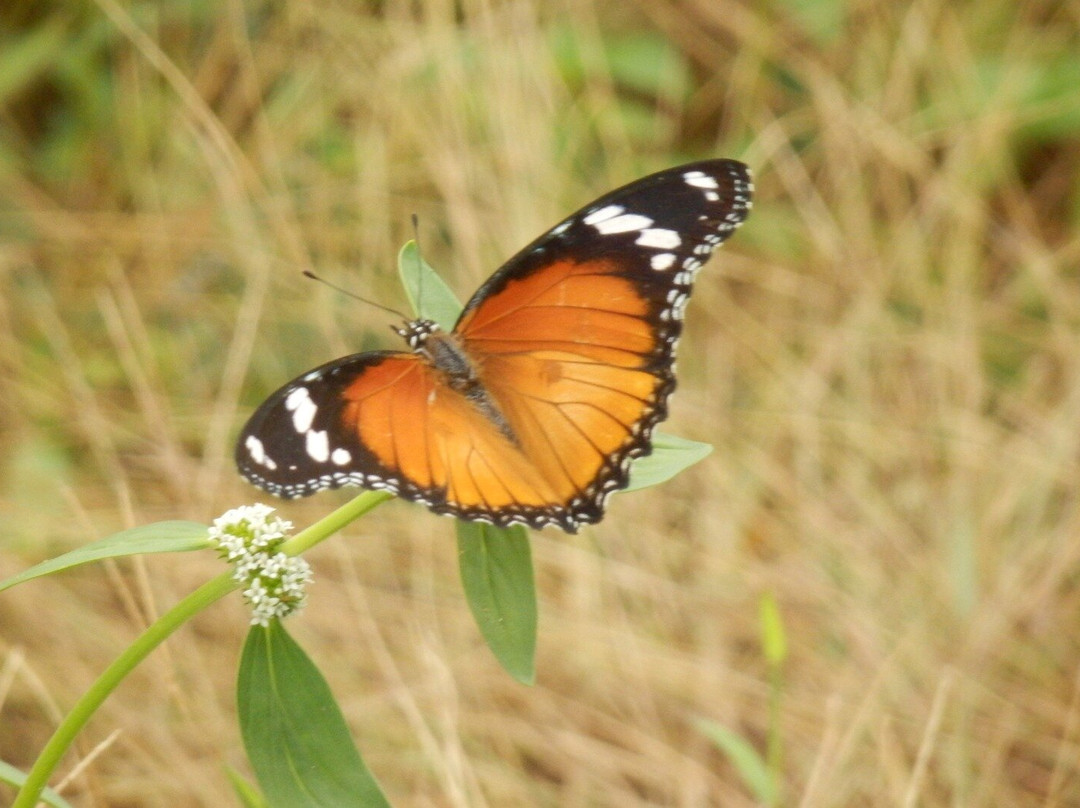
(662, 261)
(626, 223)
(562, 228)
(659, 237)
(609, 212)
(340, 457)
(317, 446)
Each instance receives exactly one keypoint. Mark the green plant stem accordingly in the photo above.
(157, 633)
(775, 749)
(113, 675)
(332, 523)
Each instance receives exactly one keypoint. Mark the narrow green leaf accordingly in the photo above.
(497, 573)
(744, 758)
(670, 455)
(294, 733)
(428, 294)
(246, 792)
(14, 777)
(773, 639)
(159, 537)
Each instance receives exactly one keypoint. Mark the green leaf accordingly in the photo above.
(9, 774)
(428, 294)
(773, 638)
(159, 537)
(497, 573)
(744, 758)
(670, 455)
(246, 792)
(294, 733)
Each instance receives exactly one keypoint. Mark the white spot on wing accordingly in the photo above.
(255, 449)
(340, 457)
(626, 223)
(258, 454)
(294, 399)
(660, 238)
(700, 179)
(304, 415)
(317, 446)
(662, 261)
(609, 212)
(302, 407)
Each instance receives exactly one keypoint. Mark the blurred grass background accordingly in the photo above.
(886, 358)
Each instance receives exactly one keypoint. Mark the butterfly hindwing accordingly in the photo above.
(551, 382)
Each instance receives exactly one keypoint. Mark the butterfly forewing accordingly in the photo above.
(566, 358)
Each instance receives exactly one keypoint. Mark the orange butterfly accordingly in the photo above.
(530, 410)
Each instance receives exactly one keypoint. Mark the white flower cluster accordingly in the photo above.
(248, 538)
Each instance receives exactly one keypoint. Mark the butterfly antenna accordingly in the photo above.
(353, 295)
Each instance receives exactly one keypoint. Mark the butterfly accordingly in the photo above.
(530, 410)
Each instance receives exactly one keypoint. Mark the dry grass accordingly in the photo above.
(885, 358)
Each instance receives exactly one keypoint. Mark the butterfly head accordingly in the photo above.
(416, 332)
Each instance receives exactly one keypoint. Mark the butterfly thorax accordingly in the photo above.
(444, 352)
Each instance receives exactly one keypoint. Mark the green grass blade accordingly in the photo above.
(12, 776)
(294, 733)
(497, 573)
(670, 455)
(774, 647)
(159, 537)
(773, 637)
(746, 760)
(429, 295)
